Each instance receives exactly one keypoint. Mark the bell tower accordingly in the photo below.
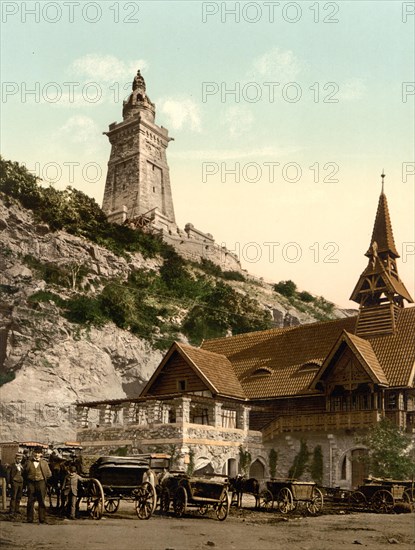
(379, 290)
(138, 180)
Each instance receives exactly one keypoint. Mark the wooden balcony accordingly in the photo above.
(321, 422)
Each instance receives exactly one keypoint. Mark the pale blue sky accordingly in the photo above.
(366, 56)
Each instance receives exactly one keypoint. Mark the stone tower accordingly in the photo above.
(138, 180)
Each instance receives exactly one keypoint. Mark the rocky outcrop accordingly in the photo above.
(47, 363)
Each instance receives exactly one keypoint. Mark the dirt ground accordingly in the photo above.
(244, 529)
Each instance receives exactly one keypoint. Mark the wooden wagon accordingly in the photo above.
(91, 494)
(381, 495)
(285, 495)
(202, 493)
(126, 478)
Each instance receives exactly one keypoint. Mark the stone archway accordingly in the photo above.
(352, 467)
(257, 469)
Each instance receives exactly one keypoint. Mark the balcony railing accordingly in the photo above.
(326, 421)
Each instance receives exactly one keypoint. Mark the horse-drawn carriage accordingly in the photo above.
(286, 495)
(130, 479)
(201, 493)
(381, 495)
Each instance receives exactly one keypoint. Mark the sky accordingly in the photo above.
(283, 114)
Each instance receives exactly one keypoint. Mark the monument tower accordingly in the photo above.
(138, 181)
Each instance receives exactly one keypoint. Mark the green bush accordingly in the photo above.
(45, 296)
(233, 276)
(305, 296)
(85, 310)
(286, 288)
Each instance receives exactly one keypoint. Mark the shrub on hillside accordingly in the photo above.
(286, 288)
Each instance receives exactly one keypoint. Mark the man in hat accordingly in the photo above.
(16, 483)
(70, 492)
(36, 473)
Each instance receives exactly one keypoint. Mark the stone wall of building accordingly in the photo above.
(337, 448)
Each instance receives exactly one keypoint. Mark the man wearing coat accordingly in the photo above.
(16, 481)
(36, 474)
(70, 491)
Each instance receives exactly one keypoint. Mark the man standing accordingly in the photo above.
(70, 491)
(16, 482)
(36, 473)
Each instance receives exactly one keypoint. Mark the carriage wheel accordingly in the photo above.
(357, 500)
(383, 502)
(180, 502)
(285, 501)
(111, 505)
(222, 508)
(315, 505)
(266, 500)
(95, 499)
(409, 497)
(164, 500)
(145, 498)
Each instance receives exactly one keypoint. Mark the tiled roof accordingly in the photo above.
(289, 354)
(284, 351)
(396, 352)
(365, 350)
(217, 369)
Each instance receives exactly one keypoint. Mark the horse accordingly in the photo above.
(240, 485)
(59, 468)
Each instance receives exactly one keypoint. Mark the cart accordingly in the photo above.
(91, 494)
(202, 493)
(381, 495)
(129, 479)
(287, 494)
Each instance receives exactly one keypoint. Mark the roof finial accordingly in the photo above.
(383, 179)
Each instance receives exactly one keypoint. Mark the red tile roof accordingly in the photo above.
(278, 362)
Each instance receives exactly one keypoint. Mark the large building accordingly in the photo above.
(137, 189)
(324, 383)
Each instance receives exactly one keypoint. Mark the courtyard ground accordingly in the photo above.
(243, 530)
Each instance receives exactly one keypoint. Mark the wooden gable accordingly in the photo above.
(350, 363)
(347, 372)
(176, 375)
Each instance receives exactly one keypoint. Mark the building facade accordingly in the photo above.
(252, 395)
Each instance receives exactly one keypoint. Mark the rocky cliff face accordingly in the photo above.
(49, 363)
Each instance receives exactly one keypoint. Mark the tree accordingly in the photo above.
(388, 451)
(316, 467)
(273, 458)
(244, 460)
(300, 461)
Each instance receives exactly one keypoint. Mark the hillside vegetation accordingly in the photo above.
(197, 300)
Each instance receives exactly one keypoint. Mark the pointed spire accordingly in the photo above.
(383, 181)
(382, 229)
(379, 284)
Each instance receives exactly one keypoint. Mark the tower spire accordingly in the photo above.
(383, 181)
(379, 286)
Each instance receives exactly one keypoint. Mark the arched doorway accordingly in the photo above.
(360, 468)
(230, 468)
(257, 469)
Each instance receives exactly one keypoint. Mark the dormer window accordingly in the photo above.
(311, 366)
(262, 371)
